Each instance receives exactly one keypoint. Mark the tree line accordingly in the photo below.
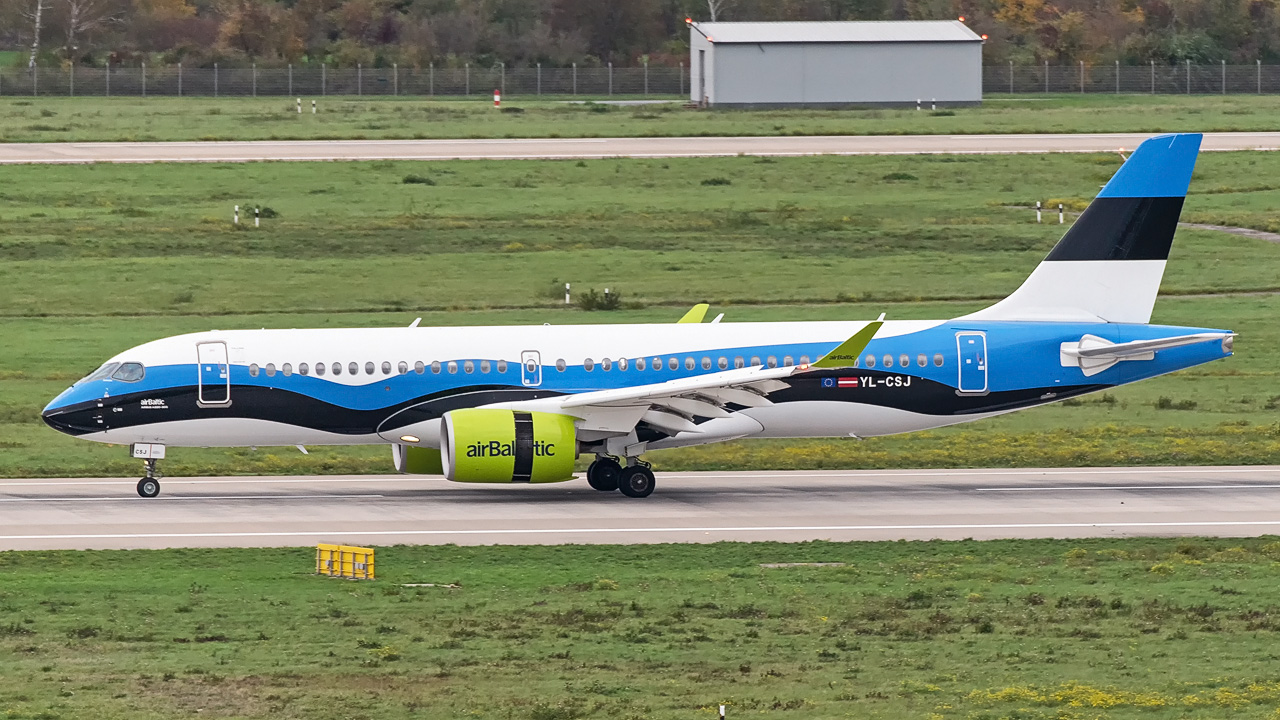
(449, 33)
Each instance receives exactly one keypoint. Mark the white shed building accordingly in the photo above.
(834, 64)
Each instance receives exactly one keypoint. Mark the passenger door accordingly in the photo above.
(213, 375)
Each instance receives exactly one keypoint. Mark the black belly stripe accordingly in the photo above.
(523, 470)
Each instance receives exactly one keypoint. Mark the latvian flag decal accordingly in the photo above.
(847, 382)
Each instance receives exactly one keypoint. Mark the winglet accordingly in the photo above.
(695, 314)
(847, 353)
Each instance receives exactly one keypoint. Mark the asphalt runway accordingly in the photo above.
(686, 507)
(588, 148)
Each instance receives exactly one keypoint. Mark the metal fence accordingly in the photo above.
(321, 81)
(594, 81)
(1184, 78)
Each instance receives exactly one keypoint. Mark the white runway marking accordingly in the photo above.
(186, 497)
(1129, 487)
(588, 531)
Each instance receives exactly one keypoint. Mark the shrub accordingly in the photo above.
(592, 300)
(512, 110)
(414, 179)
(717, 181)
(1168, 403)
(896, 176)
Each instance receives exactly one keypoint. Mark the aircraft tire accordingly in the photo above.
(603, 474)
(148, 487)
(636, 481)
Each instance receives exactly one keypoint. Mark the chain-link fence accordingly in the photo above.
(320, 81)
(588, 81)
(1183, 78)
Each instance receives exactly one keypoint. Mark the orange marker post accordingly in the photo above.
(497, 97)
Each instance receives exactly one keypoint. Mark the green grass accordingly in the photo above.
(1138, 628)
(96, 259)
(24, 119)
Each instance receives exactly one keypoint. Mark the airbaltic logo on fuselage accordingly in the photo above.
(496, 448)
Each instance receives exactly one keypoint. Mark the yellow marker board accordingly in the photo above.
(344, 561)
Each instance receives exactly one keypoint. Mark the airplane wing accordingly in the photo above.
(673, 406)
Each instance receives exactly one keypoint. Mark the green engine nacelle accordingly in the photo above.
(498, 446)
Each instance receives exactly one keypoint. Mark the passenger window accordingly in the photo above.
(606, 364)
(531, 366)
(690, 364)
(937, 360)
(588, 364)
(560, 364)
(271, 369)
(903, 360)
(435, 367)
(755, 361)
(888, 360)
(737, 362)
(502, 366)
(337, 368)
(453, 367)
(320, 369)
(786, 361)
(419, 368)
(804, 359)
(657, 363)
(353, 368)
(253, 370)
(468, 367)
(622, 364)
(640, 364)
(386, 368)
(303, 369)
(771, 361)
(723, 363)
(706, 363)
(485, 366)
(921, 360)
(368, 368)
(673, 364)
(287, 369)
(871, 361)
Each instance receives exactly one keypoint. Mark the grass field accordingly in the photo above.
(95, 259)
(54, 119)
(1146, 628)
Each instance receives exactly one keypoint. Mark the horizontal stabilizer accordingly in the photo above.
(1093, 354)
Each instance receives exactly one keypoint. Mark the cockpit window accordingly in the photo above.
(129, 372)
(101, 373)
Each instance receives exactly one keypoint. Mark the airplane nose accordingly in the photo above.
(69, 418)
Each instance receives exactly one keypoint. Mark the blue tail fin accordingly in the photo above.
(1108, 266)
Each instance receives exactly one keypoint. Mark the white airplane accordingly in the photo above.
(520, 404)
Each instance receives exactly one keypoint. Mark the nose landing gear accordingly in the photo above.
(149, 485)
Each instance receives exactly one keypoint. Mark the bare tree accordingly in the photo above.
(83, 16)
(715, 7)
(35, 33)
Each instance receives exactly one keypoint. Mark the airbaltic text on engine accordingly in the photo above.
(507, 446)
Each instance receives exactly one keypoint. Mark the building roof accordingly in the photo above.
(839, 32)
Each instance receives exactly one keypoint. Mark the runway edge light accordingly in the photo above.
(346, 561)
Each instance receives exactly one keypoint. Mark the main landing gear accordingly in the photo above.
(635, 480)
(149, 486)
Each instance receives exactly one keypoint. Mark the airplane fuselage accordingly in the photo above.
(367, 386)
